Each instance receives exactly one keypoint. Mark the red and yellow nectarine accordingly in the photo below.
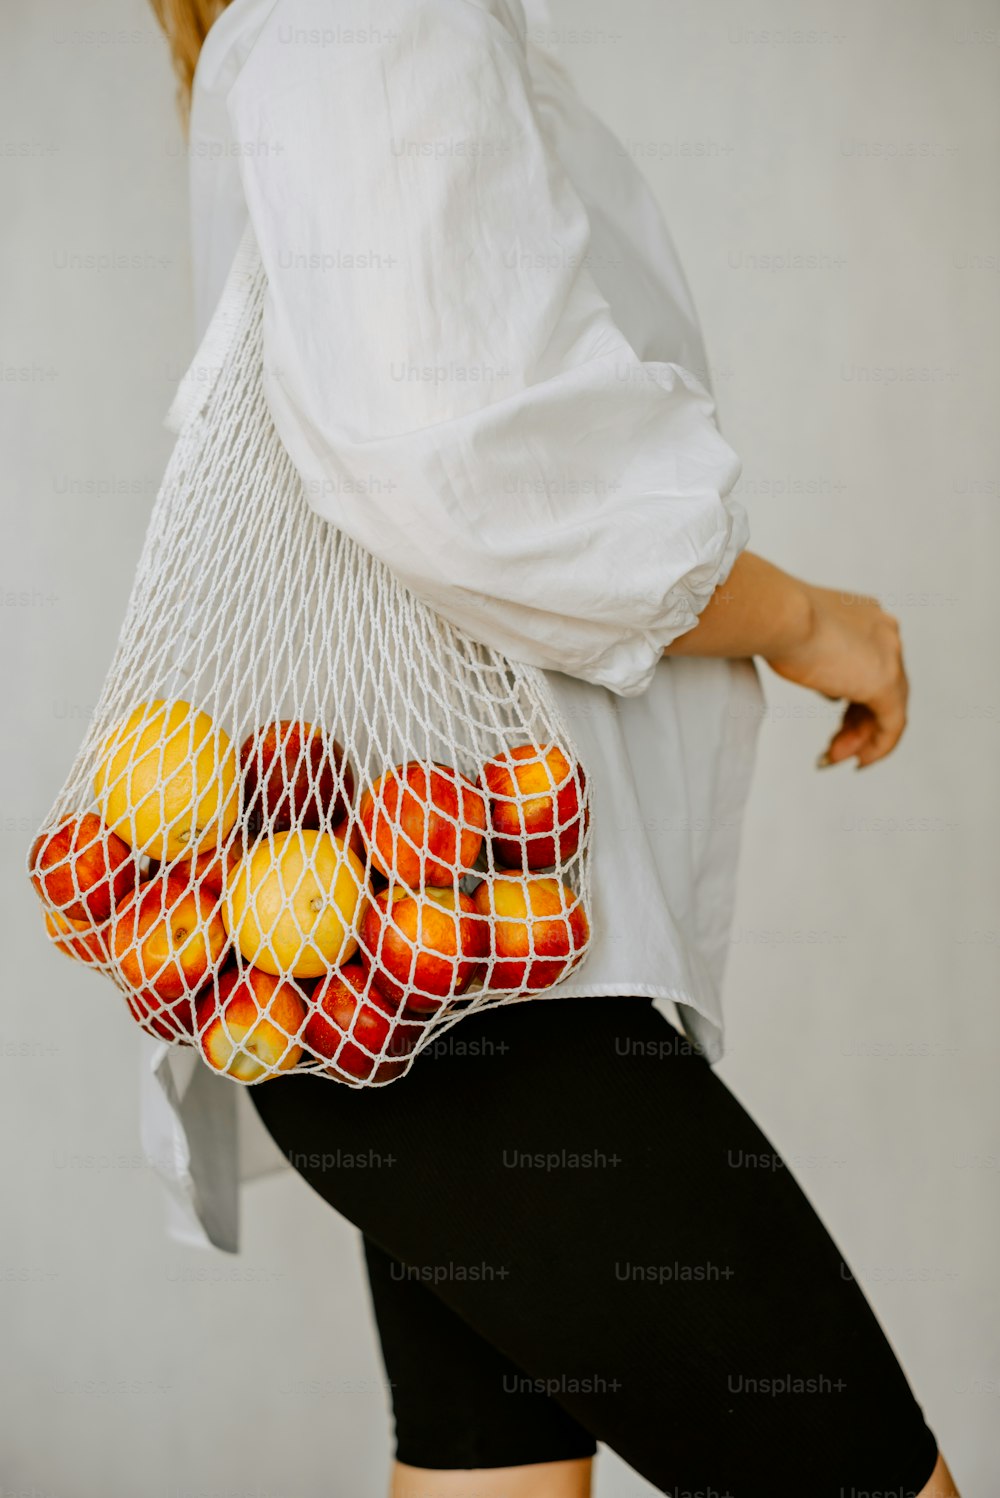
(540, 930)
(79, 939)
(82, 869)
(210, 871)
(250, 1028)
(294, 775)
(536, 806)
(426, 941)
(348, 832)
(166, 1019)
(167, 936)
(364, 1025)
(423, 824)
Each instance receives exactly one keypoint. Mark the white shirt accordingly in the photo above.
(482, 356)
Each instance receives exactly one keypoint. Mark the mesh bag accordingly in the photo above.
(311, 824)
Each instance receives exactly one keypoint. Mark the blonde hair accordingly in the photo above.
(185, 24)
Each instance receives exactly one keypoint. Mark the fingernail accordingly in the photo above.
(824, 761)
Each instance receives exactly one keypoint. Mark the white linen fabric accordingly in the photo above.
(482, 357)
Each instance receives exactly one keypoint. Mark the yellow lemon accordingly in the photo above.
(291, 904)
(167, 780)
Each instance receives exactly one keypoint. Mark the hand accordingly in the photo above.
(852, 650)
(837, 643)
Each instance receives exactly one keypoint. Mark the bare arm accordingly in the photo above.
(840, 644)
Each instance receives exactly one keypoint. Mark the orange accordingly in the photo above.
(167, 780)
(292, 903)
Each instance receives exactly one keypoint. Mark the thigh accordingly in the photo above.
(640, 1253)
(449, 1385)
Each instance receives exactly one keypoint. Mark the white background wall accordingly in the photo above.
(862, 991)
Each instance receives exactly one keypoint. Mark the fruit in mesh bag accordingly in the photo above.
(348, 831)
(356, 1027)
(423, 823)
(294, 775)
(431, 940)
(539, 929)
(210, 870)
(77, 939)
(166, 1019)
(292, 901)
(250, 1028)
(81, 870)
(537, 815)
(167, 936)
(167, 780)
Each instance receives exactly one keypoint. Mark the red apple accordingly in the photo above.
(427, 942)
(82, 869)
(79, 939)
(345, 1009)
(294, 775)
(251, 1027)
(423, 824)
(539, 931)
(168, 936)
(535, 794)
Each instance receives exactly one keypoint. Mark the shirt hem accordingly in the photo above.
(711, 1046)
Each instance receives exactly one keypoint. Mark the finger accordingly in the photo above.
(890, 716)
(889, 726)
(856, 730)
(890, 721)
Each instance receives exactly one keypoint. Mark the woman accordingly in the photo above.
(481, 354)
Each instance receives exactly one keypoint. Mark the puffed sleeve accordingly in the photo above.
(440, 365)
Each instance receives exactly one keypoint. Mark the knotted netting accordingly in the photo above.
(311, 824)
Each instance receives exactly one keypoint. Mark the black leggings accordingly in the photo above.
(574, 1232)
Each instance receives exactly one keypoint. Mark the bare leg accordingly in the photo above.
(542, 1480)
(942, 1484)
(555, 1480)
